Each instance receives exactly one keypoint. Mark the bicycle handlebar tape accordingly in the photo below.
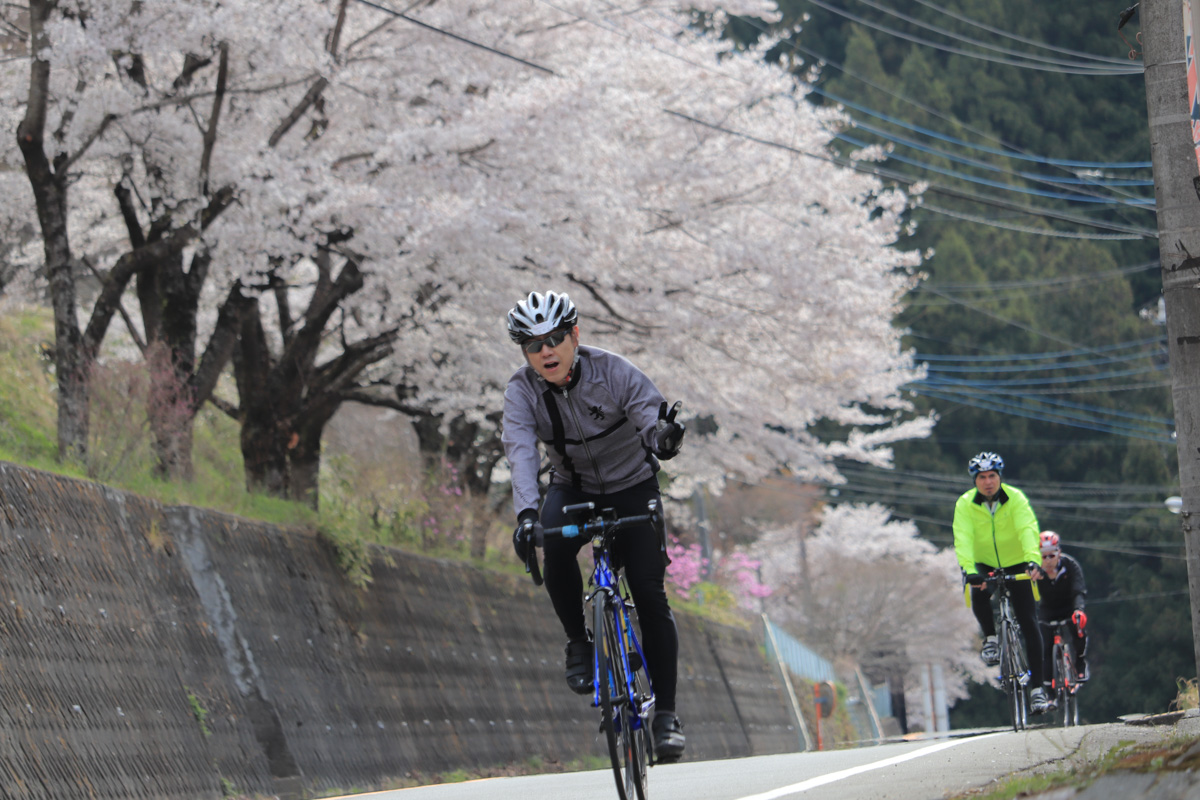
(531, 564)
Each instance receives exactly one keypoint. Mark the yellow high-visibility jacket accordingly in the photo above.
(1009, 538)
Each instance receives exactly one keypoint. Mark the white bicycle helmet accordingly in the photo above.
(539, 314)
(985, 462)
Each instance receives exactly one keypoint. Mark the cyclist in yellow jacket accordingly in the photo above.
(995, 529)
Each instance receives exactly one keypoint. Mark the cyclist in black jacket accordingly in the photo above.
(1063, 594)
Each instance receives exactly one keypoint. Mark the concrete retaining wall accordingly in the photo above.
(169, 652)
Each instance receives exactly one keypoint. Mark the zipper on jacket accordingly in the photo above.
(583, 438)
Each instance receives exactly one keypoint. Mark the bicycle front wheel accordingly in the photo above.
(626, 746)
(1064, 686)
(1070, 688)
(636, 741)
(1015, 671)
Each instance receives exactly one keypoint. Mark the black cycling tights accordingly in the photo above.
(1024, 606)
(637, 548)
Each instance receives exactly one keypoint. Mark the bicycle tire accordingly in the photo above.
(636, 744)
(614, 705)
(1022, 672)
(1063, 683)
(1013, 670)
(1070, 686)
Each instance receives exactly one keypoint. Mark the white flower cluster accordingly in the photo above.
(684, 196)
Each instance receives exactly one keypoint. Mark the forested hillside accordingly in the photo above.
(1028, 122)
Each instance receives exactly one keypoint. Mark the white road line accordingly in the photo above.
(812, 783)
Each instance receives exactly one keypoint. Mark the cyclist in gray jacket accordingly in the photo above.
(604, 427)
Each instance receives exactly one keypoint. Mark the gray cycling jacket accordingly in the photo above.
(598, 430)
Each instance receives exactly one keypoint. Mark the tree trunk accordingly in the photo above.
(173, 418)
(473, 454)
(264, 448)
(304, 459)
(264, 456)
(48, 182)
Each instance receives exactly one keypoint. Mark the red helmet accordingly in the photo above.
(1049, 542)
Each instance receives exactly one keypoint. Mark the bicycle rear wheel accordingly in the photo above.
(626, 747)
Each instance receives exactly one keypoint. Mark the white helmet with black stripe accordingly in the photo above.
(540, 314)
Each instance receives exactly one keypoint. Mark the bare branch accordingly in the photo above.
(305, 103)
(219, 350)
(133, 332)
(226, 407)
(83, 148)
(210, 132)
(334, 37)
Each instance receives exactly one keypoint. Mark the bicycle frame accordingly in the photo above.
(606, 582)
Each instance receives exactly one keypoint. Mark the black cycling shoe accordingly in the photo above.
(579, 665)
(669, 740)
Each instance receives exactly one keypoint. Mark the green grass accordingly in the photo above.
(1180, 753)
(28, 434)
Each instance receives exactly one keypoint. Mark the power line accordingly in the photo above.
(1061, 418)
(1011, 152)
(1056, 281)
(1029, 229)
(1114, 62)
(456, 37)
(929, 186)
(1106, 183)
(1076, 197)
(954, 15)
(1083, 69)
(1001, 383)
(1146, 596)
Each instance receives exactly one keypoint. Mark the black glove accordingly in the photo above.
(525, 533)
(668, 434)
(973, 578)
(1035, 570)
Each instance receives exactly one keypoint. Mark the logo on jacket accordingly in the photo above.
(597, 412)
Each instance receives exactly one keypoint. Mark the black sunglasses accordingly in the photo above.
(552, 340)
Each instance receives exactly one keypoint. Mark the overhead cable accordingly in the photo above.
(1073, 197)
(969, 21)
(1010, 153)
(1109, 60)
(1083, 69)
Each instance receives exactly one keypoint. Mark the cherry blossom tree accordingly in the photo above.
(866, 589)
(390, 183)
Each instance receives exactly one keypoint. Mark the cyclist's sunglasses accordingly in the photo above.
(552, 340)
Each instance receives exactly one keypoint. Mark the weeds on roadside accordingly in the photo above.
(1188, 695)
(1181, 753)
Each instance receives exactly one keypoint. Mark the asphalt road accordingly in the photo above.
(920, 769)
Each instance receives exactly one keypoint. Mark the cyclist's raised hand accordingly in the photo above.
(668, 434)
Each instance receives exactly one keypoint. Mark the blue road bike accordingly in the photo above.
(621, 685)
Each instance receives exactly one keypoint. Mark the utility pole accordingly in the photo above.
(1177, 198)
